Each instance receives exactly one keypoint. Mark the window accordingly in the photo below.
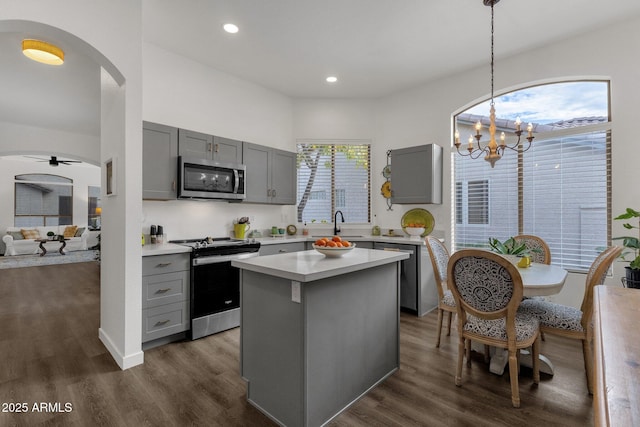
(560, 189)
(42, 200)
(334, 175)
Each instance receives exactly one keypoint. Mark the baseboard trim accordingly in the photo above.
(124, 362)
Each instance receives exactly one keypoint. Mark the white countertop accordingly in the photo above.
(307, 266)
(164, 249)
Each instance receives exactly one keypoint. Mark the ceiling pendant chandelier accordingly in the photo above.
(493, 151)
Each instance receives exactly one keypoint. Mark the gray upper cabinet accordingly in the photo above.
(271, 174)
(202, 146)
(195, 144)
(416, 174)
(160, 161)
(226, 150)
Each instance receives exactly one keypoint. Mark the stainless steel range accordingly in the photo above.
(215, 284)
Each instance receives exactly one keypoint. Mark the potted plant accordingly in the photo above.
(517, 253)
(632, 245)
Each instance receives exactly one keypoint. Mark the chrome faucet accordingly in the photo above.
(336, 229)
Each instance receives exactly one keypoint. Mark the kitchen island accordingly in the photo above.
(317, 333)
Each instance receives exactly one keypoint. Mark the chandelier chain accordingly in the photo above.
(492, 102)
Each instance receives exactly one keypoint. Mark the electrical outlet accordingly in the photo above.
(295, 291)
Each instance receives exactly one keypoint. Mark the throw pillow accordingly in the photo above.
(16, 235)
(30, 234)
(70, 231)
(79, 231)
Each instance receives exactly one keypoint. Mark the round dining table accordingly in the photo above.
(537, 280)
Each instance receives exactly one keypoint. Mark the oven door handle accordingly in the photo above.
(222, 258)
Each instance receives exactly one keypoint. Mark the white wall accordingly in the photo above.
(423, 115)
(186, 94)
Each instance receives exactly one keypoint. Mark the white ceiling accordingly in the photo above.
(374, 47)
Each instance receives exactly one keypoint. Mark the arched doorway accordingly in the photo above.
(117, 321)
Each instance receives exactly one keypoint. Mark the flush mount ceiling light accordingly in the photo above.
(332, 79)
(492, 150)
(231, 28)
(42, 52)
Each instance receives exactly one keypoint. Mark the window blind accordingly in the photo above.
(334, 176)
(560, 191)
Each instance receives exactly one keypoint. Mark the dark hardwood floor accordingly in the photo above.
(50, 353)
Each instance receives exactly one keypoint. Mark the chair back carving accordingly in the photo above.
(542, 253)
(596, 275)
(439, 259)
(485, 285)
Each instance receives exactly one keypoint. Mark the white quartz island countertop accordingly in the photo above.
(307, 266)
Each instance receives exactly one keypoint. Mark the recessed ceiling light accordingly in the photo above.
(332, 79)
(231, 28)
(42, 52)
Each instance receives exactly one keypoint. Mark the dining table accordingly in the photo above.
(538, 280)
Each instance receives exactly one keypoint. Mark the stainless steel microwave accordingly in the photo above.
(207, 179)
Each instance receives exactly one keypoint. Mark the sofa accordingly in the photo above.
(24, 240)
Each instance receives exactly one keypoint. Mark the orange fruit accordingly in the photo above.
(346, 243)
(331, 244)
(321, 242)
(336, 239)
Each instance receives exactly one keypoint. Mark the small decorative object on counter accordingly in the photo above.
(142, 239)
(152, 234)
(375, 231)
(292, 230)
(160, 235)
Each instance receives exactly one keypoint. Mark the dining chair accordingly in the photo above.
(570, 322)
(439, 259)
(538, 248)
(487, 289)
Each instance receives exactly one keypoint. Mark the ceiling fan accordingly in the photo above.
(53, 161)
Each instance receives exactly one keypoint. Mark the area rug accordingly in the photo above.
(50, 258)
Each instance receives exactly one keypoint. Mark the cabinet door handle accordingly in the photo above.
(227, 302)
(209, 146)
(163, 291)
(273, 193)
(173, 185)
(161, 322)
(268, 192)
(283, 251)
(217, 147)
(163, 264)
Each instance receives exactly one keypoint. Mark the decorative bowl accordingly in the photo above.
(333, 252)
(414, 232)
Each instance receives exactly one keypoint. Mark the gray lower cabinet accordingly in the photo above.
(416, 174)
(282, 248)
(165, 297)
(418, 293)
(203, 146)
(271, 174)
(159, 161)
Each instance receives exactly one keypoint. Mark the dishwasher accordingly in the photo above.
(418, 293)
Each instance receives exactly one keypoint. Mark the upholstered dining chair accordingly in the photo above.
(446, 304)
(539, 250)
(571, 322)
(487, 289)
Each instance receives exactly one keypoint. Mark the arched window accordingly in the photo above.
(43, 200)
(560, 189)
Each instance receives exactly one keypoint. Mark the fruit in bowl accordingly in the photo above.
(333, 246)
(414, 232)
